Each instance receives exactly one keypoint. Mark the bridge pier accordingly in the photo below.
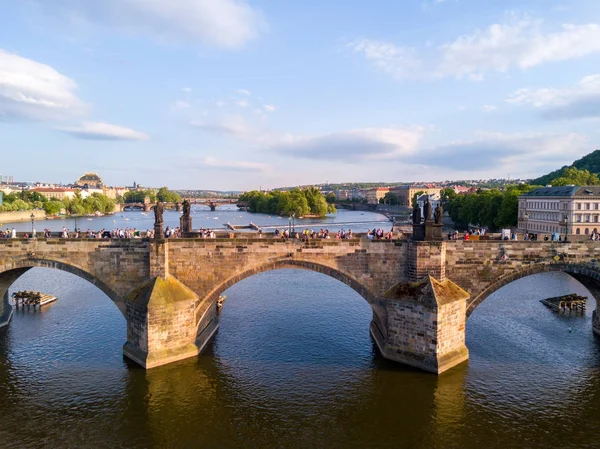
(425, 325)
(6, 310)
(161, 323)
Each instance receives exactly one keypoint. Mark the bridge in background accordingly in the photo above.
(421, 292)
(147, 206)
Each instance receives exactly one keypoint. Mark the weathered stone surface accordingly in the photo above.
(172, 285)
(426, 324)
(161, 325)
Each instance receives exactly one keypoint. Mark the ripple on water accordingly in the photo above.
(293, 366)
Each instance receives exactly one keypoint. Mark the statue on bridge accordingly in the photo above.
(158, 219)
(438, 214)
(416, 214)
(427, 210)
(186, 208)
(185, 221)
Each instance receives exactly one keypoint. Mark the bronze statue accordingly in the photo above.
(158, 213)
(438, 215)
(186, 208)
(427, 210)
(416, 214)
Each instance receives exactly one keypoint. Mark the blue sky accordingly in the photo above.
(242, 94)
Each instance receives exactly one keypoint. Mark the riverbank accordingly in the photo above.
(22, 215)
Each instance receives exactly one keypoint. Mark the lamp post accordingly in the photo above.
(294, 222)
(526, 220)
(290, 225)
(32, 218)
(566, 228)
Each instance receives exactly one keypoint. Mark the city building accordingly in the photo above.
(375, 194)
(89, 180)
(433, 199)
(57, 193)
(406, 193)
(570, 210)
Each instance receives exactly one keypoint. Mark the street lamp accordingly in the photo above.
(294, 222)
(32, 218)
(290, 225)
(526, 220)
(566, 227)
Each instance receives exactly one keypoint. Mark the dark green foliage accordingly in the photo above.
(298, 202)
(493, 209)
(590, 162)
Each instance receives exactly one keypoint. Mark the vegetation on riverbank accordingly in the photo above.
(27, 200)
(297, 202)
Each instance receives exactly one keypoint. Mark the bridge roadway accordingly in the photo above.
(421, 293)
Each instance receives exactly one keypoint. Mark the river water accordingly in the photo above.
(203, 217)
(293, 366)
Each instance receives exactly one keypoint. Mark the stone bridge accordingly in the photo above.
(421, 293)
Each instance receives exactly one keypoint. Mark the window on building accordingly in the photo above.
(578, 218)
(578, 206)
(587, 206)
(587, 231)
(578, 231)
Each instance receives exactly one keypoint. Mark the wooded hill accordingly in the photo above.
(590, 162)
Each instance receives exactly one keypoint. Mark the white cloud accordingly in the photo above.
(396, 61)
(214, 163)
(489, 108)
(243, 103)
(30, 90)
(103, 131)
(579, 101)
(223, 23)
(504, 152)
(187, 90)
(269, 108)
(180, 104)
(344, 146)
(518, 43)
(233, 125)
(244, 92)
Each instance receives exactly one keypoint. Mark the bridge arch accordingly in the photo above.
(587, 274)
(345, 278)
(10, 272)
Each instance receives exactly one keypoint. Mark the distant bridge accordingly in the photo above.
(147, 207)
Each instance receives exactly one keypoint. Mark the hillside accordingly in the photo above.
(590, 162)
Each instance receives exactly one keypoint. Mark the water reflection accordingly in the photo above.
(293, 366)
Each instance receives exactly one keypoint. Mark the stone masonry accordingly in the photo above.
(421, 293)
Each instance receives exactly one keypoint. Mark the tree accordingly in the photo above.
(416, 195)
(53, 207)
(576, 177)
(330, 198)
(167, 196)
(390, 198)
(447, 195)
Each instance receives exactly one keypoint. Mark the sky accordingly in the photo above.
(249, 94)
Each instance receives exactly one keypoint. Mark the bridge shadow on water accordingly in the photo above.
(293, 365)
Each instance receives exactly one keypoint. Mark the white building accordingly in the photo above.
(570, 210)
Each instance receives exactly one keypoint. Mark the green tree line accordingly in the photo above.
(163, 194)
(29, 200)
(298, 202)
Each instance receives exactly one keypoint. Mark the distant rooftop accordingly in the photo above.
(564, 191)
